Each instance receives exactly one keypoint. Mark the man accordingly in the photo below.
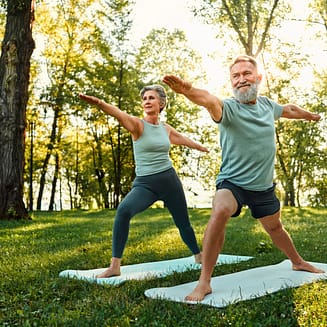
(247, 132)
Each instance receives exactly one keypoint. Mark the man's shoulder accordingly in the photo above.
(268, 104)
(264, 100)
(230, 103)
(230, 100)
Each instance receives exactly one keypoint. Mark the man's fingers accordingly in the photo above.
(171, 79)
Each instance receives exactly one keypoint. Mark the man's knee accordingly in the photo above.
(274, 226)
(276, 229)
(221, 212)
(224, 205)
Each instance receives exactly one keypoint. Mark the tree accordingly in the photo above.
(111, 77)
(319, 15)
(66, 45)
(318, 181)
(248, 20)
(17, 48)
(299, 153)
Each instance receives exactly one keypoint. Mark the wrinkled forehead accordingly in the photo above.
(242, 66)
(151, 92)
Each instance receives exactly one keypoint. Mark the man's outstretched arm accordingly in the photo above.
(292, 111)
(198, 96)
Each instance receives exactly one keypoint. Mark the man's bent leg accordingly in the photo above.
(224, 206)
(274, 227)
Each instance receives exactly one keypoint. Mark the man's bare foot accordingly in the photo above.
(306, 266)
(198, 257)
(200, 291)
(109, 272)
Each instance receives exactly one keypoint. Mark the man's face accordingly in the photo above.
(245, 82)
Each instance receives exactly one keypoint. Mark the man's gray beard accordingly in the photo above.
(248, 96)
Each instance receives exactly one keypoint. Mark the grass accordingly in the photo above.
(32, 253)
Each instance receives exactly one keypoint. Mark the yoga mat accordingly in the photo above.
(147, 270)
(243, 285)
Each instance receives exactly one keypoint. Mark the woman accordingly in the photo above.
(156, 178)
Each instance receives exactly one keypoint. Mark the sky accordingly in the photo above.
(171, 14)
(176, 14)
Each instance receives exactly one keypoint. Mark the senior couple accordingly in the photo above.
(247, 140)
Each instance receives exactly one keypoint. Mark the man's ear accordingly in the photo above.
(260, 77)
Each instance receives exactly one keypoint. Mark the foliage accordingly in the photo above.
(248, 20)
(88, 151)
(34, 252)
(63, 67)
(319, 13)
(2, 24)
(301, 153)
(316, 184)
(85, 47)
(110, 76)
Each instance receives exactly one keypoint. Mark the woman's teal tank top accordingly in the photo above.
(151, 150)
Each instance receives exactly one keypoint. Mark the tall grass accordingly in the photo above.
(32, 253)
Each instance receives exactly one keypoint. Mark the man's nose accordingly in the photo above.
(242, 79)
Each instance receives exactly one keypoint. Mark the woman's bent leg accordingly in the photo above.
(176, 203)
(136, 201)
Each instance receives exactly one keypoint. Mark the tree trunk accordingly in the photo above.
(17, 48)
(54, 182)
(46, 160)
(99, 171)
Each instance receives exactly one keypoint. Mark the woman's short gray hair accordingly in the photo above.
(160, 91)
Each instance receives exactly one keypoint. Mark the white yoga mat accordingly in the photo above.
(148, 270)
(243, 285)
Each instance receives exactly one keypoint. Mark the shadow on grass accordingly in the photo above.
(82, 239)
(34, 252)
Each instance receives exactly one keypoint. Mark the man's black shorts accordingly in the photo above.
(261, 203)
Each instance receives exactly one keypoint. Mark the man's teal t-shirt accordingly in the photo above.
(247, 139)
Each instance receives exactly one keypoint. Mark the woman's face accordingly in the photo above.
(151, 102)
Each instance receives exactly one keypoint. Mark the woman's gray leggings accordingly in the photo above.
(146, 190)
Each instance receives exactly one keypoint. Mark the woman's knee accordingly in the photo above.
(123, 213)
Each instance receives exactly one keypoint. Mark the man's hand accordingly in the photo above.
(177, 84)
(90, 99)
(315, 117)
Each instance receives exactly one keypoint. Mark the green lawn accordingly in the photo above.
(32, 253)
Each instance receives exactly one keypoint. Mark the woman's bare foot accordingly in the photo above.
(112, 270)
(109, 272)
(306, 266)
(200, 291)
(198, 257)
